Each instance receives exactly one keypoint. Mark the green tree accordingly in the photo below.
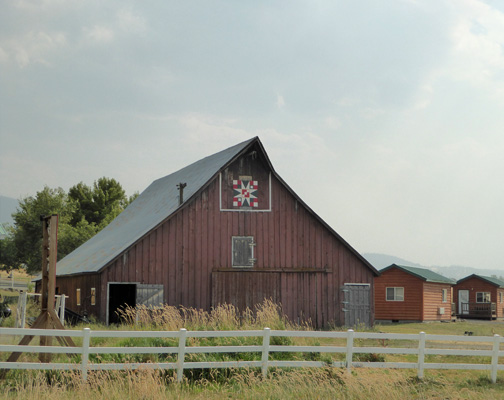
(8, 253)
(83, 212)
(100, 204)
(28, 231)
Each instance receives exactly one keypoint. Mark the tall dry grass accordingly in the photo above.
(248, 384)
(222, 317)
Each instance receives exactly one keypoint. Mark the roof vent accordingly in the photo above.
(181, 187)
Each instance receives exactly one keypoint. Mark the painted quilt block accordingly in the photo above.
(245, 193)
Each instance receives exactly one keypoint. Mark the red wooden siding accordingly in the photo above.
(300, 263)
(196, 242)
(433, 301)
(69, 285)
(475, 285)
(422, 300)
(410, 308)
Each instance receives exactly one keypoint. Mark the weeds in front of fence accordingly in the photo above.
(248, 384)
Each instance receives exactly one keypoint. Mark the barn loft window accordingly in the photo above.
(445, 295)
(77, 296)
(243, 251)
(93, 296)
(482, 297)
(395, 294)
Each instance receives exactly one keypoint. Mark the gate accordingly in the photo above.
(356, 303)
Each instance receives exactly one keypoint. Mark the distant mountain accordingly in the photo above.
(380, 261)
(8, 205)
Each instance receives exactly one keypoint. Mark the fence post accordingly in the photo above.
(21, 314)
(86, 339)
(421, 355)
(495, 357)
(62, 310)
(265, 351)
(181, 354)
(349, 352)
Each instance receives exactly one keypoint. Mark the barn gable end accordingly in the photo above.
(240, 236)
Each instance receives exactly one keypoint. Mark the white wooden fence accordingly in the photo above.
(488, 347)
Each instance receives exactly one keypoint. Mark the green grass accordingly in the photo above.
(249, 384)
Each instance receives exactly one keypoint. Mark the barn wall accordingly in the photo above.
(433, 300)
(300, 263)
(409, 309)
(475, 285)
(68, 285)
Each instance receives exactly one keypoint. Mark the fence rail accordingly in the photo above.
(265, 349)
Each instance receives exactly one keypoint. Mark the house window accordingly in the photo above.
(78, 297)
(482, 297)
(395, 294)
(243, 251)
(93, 296)
(500, 297)
(445, 295)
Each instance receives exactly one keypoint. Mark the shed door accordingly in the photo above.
(356, 304)
(463, 298)
(149, 295)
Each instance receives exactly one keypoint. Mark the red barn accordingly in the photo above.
(478, 296)
(226, 229)
(404, 293)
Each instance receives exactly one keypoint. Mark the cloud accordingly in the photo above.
(32, 47)
(99, 34)
(280, 102)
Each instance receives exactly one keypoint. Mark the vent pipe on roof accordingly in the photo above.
(181, 187)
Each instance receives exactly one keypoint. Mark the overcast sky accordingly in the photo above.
(386, 117)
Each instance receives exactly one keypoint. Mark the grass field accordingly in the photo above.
(248, 384)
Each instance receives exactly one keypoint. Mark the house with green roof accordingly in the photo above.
(404, 293)
(478, 296)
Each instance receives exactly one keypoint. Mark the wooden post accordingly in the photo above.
(349, 353)
(181, 354)
(47, 318)
(421, 355)
(265, 351)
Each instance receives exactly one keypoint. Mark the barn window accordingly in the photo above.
(77, 296)
(445, 295)
(395, 294)
(93, 296)
(500, 297)
(243, 251)
(482, 297)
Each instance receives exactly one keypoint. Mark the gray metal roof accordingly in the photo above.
(154, 205)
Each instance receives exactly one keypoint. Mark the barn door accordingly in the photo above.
(149, 295)
(356, 304)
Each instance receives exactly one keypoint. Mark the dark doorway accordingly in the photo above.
(120, 295)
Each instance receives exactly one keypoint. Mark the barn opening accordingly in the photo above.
(122, 295)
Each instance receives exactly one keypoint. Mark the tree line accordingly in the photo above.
(83, 212)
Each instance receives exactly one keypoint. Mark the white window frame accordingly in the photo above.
(398, 294)
(444, 295)
(485, 295)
